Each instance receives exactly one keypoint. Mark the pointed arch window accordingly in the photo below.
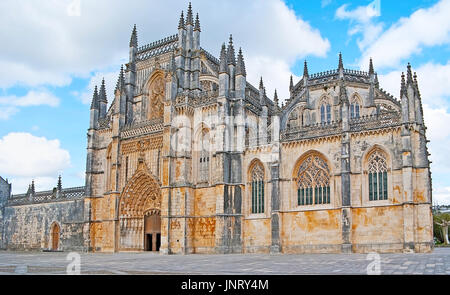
(325, 113)
(203, 165)
(378, 182)
(354, 110)
(257, 184)
(313, 181)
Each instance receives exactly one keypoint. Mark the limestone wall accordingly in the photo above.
(28, 226)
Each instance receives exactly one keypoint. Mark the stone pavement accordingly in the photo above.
(437, 262)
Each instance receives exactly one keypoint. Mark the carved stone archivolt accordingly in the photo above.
(141, 194)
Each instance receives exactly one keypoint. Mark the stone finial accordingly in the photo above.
(305, 70)
(230, 52)
(240, 66)
(409, 77)
(32, 188)
(94, 104)
(261, 84)
(371, 70)
(275, 98)
(291, 84)
(377, 83)
(121, 80)
(133, 39)
(181, 24)
(403, 86)
(223, 59)
(102, 94)
(341, 63)
(197, 24)
(59, 186)
(189, 17)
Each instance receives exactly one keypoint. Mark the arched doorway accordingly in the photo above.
(152, 230)
(54, 233)
(139, 212)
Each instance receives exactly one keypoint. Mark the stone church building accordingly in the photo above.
(189, 157)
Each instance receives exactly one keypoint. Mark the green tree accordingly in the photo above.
(441, 223)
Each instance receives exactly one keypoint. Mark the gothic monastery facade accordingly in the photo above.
(189, 157)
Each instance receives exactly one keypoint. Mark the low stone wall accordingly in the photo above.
(28, 227)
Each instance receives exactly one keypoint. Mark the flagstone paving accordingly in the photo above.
(18, 263)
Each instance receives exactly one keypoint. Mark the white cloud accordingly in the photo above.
(49, 47)
(441, 196)
(25, 155)
(362, 22)
(96, 80)
(9, 105)
(410, 35)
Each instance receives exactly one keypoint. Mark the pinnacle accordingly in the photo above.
(223, 59)
(402, 85)
(409, 78)
(341, 63)
(181, 23)
(305, 70)
(102, 94)
(94, 104)
(371, 70)
(261, 84)
(197, 24)
(291, 83)
(133, 39)
(189, 18)
(240, 67)
(230, 54)
(59, 183)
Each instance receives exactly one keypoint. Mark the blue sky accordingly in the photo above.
(58, 50)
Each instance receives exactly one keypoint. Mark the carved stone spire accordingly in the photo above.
(240, 66)
(305, 70)
(133, 39)
(223, 59)
(181, 24)
(341, 63)
(275, 99)
(409, 77)
(403, 86)
(189, 17)
(371, 70)
(32, 188)
(59, 186)
(102, 94)
(197, 24)
(261, 84)
(291, 84)
(377, 84)
(94, 104)
(230, 52)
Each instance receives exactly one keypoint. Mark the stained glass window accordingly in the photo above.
(313, 182)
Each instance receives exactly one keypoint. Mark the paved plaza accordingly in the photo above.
(437, 262)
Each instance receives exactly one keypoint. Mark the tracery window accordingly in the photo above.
(313, 181)
(325, 113)
(257, 184)
(378, 182)
(354, 110)
(203, 165)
